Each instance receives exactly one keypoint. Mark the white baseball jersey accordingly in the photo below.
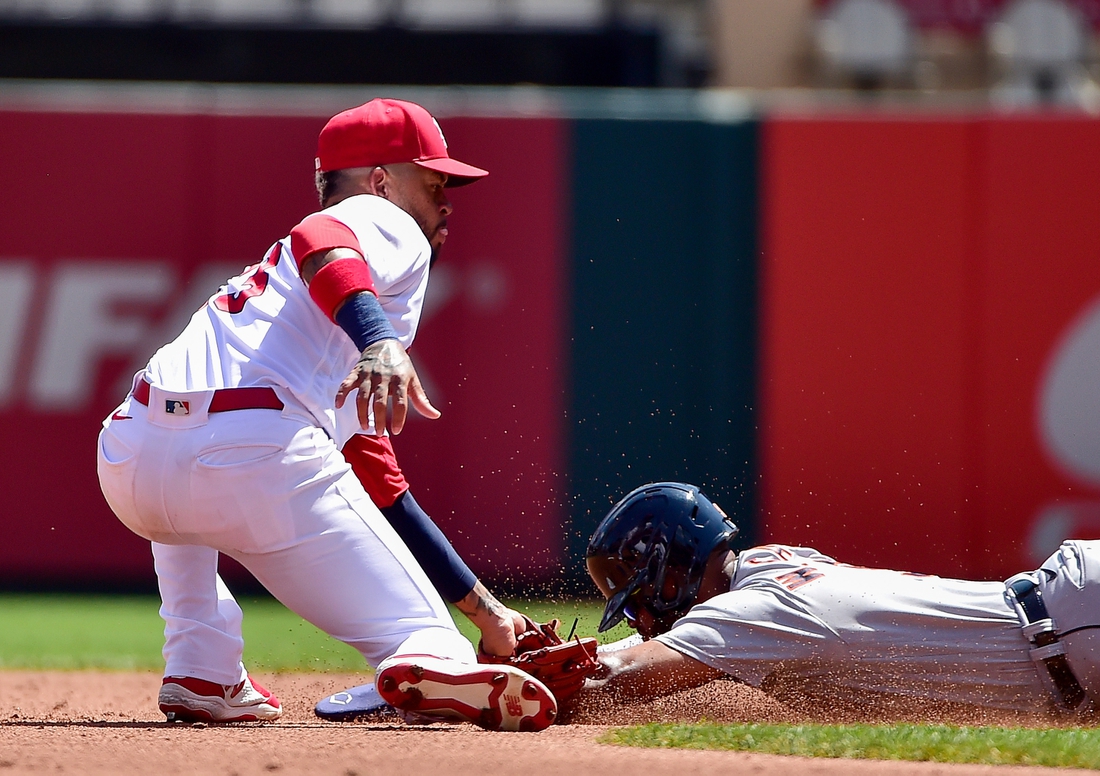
(796, 617)
(304, 356)
(268, 488)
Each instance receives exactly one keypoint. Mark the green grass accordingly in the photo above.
(1059, 747)
(58, 631)
(126, 633)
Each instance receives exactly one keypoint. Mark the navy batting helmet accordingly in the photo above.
(651, 550)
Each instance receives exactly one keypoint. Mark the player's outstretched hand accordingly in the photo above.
(387, 383)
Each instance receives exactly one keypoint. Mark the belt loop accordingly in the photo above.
(177, 409)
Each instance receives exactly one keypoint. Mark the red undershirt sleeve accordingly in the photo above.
(374, 463)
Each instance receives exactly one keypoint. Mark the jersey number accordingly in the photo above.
(254, 285)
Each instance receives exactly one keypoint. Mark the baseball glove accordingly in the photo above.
(559, 664)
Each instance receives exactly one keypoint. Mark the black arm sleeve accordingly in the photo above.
(446, 570)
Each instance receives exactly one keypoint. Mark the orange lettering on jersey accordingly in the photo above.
(774, 553)
(793, 580)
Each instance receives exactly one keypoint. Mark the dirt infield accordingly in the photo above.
(108, 723)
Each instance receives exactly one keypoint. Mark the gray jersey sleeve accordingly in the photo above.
(748, 631)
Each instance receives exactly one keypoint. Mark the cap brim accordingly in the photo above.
(458, 173)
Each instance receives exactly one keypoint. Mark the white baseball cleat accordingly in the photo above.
(495, 697)
(186, 699)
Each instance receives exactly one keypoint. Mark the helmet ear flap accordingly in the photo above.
(678, 567)
(656, 567)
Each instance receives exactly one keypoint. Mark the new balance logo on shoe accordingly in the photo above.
(513, 705)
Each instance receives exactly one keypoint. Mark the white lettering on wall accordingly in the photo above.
(16, 290)
(80, 326)
(1068, 420)
(1069, 399)
(67, 320)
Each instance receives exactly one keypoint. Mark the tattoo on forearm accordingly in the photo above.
(483, 603)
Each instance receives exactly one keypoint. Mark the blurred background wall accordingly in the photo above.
(832, 261)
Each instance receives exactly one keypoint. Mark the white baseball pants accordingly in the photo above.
(276, 495)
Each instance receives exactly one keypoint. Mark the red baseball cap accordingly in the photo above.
(389, 132)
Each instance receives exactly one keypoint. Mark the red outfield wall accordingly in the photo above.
(931, 338)
(116, 226)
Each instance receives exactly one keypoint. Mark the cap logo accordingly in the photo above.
(439, 129)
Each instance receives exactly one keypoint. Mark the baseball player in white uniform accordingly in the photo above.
(800, 625)
(230, 442)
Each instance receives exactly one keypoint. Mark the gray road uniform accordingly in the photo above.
(797, 620)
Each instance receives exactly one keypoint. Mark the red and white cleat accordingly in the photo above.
(186, 699)
(495, 697)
